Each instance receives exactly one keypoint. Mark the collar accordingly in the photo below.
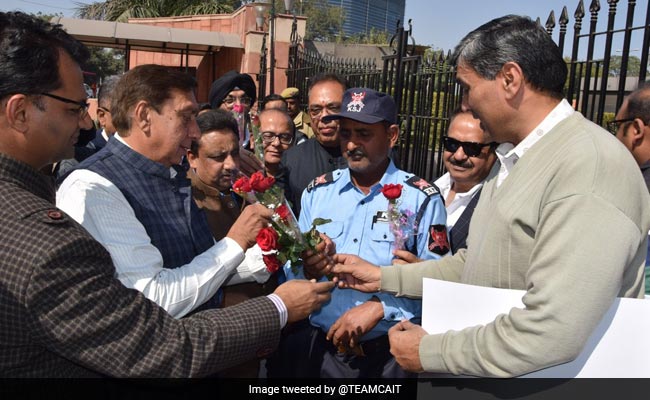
(387, 177)
(121, 149)
(26, 177)
(446, 181)
(561, 111)
(197, 183)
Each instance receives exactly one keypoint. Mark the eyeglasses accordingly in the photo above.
(245, 100)
(317, 111)
(83, 104)
(472, 149)
(269, 137)
(613, 126)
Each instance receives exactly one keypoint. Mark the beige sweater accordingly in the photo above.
(569, 226)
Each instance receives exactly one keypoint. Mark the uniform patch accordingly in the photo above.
(325, 178)
(422, 185)
(438, 242)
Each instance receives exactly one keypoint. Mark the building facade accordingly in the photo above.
(361, 16)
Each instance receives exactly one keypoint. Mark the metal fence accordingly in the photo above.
(426, 92)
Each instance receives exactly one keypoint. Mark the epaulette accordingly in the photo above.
(425, 187)
(321, 180)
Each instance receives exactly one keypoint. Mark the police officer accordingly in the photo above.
(349, 334)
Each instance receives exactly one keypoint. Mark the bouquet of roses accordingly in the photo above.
(401, 223)
(282, 241)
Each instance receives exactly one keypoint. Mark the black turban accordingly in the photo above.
(227, 83)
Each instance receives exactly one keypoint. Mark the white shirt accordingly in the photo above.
(458, 205)
(508, 154)
(100, 207)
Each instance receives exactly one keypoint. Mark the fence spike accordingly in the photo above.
(594, 7)
(564, 18)
(580, 11)
(550, 22)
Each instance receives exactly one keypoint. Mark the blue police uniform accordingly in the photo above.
(360, 226)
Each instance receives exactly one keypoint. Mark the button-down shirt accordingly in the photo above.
(458, 205)
(98, 205)
(508, 154)
(359, 226)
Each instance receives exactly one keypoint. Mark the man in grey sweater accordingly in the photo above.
(564, 216)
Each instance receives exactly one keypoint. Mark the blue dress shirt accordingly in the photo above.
(359, 226)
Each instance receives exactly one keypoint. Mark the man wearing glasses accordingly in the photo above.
(278, 135)
(468, 156)
(321, 153)
(63, 313)
(235, 91)
(98, 139)
(232, 88)
(632, 128)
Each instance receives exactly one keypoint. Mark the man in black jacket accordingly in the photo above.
(321, 153)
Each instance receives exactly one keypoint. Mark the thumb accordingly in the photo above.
(405, 325)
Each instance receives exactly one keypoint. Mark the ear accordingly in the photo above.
(511, 79)
(100, 116)
(637, 129)
(393, 135)
(142, 113)
(192, 158)
(16, 111)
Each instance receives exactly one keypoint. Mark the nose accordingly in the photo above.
(229, 163)
(459, 154)
(193, 131)
(85, 122)
(464, 106)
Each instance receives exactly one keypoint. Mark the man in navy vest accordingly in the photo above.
(133, 197)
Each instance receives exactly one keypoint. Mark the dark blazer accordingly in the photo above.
(458, 234)
(64, 314)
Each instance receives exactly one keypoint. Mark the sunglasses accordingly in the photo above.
(613, 126)
(472, 149)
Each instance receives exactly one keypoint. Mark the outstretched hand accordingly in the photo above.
(405, 338)
(302, 297)
(319, 263)
(405, 257)
(356, 273)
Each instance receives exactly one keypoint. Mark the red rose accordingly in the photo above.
(272, 262)
(242, 185)
(283, 212)
(260, 183)
(267, 239)
(392, 191)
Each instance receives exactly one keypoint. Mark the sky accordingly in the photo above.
(441, 24)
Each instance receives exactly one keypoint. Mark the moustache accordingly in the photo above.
(355, 152)
(463, 164)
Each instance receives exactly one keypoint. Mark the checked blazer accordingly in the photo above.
(64, 314)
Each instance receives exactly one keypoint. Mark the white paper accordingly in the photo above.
(619, 347)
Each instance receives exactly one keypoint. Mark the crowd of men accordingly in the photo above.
(145, 263)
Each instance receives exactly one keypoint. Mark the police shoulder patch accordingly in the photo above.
(425, 187)
(321, 180)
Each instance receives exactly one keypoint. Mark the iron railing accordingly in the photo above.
(426, 92)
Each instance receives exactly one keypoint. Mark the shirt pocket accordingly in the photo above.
(332, 229)
(382, 240)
